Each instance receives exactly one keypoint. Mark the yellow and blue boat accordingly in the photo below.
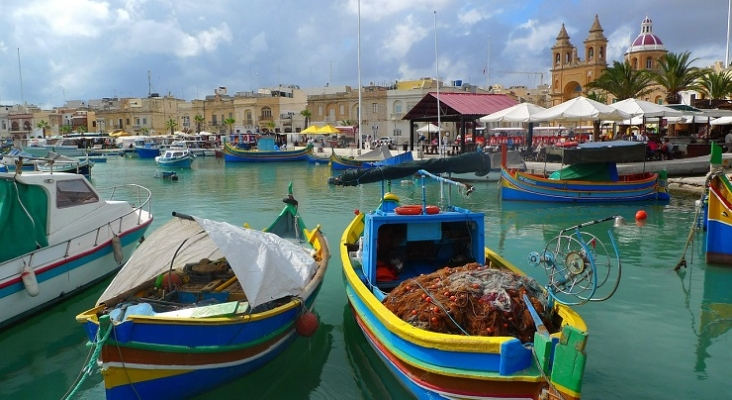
(437, 347)
(719, 220)
(265, 152)
(204, 302)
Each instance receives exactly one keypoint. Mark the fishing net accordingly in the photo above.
(472, 300)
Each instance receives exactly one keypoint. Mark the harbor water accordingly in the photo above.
(664, 335)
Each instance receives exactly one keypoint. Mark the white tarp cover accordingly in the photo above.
(521, 112)
(267, 266)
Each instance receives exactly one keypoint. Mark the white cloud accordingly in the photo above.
(66, 18)
(399, 39)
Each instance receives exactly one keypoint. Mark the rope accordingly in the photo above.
(546, 378)
(87, 370)
(710, 176)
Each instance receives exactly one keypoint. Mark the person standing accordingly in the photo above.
(728, 141)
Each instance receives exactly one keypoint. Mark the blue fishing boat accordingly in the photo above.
(265, 152)
(204, 302)
(175, 158)
(450, 318)
(147, 148)
(590, 177)
(719, 220)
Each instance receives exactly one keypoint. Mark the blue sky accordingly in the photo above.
(89, 49)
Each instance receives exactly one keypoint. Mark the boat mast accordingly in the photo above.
(729, 14)
(437, 80)
(20, 73)
(358, 142)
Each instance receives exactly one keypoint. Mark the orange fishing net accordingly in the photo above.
(472, 300)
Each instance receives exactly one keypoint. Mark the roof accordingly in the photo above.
(458, 106)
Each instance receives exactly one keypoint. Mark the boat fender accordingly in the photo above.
(415, 210)
(306, 324)
(117, 249)
(30, 281)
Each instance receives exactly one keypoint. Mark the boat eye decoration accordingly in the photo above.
(579, 265)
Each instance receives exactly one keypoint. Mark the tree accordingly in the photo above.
(171, 124)
(676, 74)
(307, 114)
(65, 129)
(623, 82)
(271, 125)
(81, 129)
(199, 120)
(43, 125)
(716, 85)
(230, 122)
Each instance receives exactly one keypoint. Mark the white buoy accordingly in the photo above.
(117, 248)
(30, 281)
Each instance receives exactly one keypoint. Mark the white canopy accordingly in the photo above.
(522, 112)
(431, 128)
(722, 121)
(581, 109)
(642, 108)
(267, 266)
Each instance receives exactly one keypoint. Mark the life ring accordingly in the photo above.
(415, 210)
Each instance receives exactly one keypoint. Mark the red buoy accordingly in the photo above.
(169, 278)
(641, 215)
(306, 324)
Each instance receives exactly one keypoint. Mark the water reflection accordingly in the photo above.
(713, 319)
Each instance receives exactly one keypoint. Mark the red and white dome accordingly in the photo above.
(646, 40)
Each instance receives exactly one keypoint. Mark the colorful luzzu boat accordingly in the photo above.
(394, 254)
(719, 220)
(591, 177)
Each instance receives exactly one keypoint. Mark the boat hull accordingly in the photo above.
(234, 154)
(60, 276)
(520, 186)
(147, 152)
(185, 162)
(719, 221)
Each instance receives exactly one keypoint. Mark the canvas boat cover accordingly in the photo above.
(268, 267)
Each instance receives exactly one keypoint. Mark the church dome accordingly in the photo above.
(646, 40)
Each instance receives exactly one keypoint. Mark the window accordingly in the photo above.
(74, 193)
(591, 53)
(320, 111)
(375, 107)
(266, 112)
(144, 121)
(128, 121)
(397, 132)
(397, 107)
(213, 122)
(342, 109)
(331, 113)
(649, 63)
(557, 59)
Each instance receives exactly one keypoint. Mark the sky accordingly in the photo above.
(53, 51)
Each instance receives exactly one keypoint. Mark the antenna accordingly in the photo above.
(488, 66)
(20, 73)
(729, 14)
(359, 78)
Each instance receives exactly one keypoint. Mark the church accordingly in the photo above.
(571, 73)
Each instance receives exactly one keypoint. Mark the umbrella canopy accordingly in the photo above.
(328, 129)
(311, 129)
(431, 128)
(581, 109)
(522, 112)
(722, 121)
(642, 108)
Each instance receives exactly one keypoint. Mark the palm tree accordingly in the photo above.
(43, 125)
(230, 122)
(716, 85)
(199, 120)
(81, 129)
(676, 75)
(271, 125)
(623, 82)
(65, 129)
(307, 114)
(171, 124)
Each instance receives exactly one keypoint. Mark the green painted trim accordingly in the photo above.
(570, 359)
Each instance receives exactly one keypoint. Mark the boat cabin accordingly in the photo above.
(403, 246)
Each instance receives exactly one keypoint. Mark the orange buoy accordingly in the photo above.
(641, 215)
(415, 210)
(306, 324)
(170, 278)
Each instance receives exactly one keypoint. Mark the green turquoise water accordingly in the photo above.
(662, 336)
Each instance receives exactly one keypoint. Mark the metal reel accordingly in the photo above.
(577, 265)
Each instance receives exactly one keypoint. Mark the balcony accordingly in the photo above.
(266, 118)
(394, 116)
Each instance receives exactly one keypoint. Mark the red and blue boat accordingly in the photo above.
(591, 176)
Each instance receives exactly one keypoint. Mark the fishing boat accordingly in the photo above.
(719, 220)
(591, 176)
(147, 148)
(478, 164)
(175, 158)
(204, 302)
(450, 318)
(265, 152)
(60, 236)
(58, 163)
